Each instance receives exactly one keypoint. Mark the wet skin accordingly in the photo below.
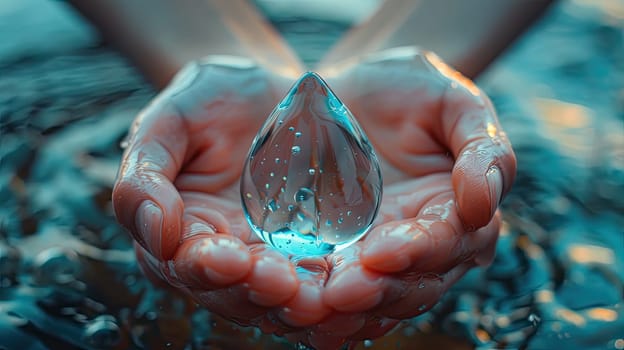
(446, 163)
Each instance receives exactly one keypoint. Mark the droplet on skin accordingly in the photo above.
(295, 149)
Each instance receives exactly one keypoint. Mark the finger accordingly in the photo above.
(231, 303)
(209, 261)
(434, 240)
(144, 198)
(307, 306)
(485, 164)
(149, 266)
(408, 295)
(484, 241)
(272, 279)
(431, 235)
(351, 286)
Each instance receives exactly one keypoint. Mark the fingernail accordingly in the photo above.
(149, 220)
(495, 184)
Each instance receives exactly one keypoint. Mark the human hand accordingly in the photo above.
(186, 162)
(177, 189)
(447, 165)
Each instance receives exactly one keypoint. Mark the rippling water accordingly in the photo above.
(68, 278)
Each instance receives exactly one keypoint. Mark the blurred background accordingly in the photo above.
(68, 278)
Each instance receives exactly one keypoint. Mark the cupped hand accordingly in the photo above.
(446, 164)
(177, 189)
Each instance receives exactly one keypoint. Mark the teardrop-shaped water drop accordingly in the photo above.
(329, 157)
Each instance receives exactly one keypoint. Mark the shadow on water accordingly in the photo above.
(68, 278)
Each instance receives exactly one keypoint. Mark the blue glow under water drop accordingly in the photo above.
(329, 168)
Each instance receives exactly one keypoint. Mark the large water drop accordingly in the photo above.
(328, 168)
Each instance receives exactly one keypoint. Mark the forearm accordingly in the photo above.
(160, 36)
(468, 34)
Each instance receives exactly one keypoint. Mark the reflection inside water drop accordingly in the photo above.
(324, 167)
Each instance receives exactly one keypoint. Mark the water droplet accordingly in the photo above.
(102, 332)
(345, 179)
(421, 285)
(56, 265)
(368, 343)
(422, 307)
